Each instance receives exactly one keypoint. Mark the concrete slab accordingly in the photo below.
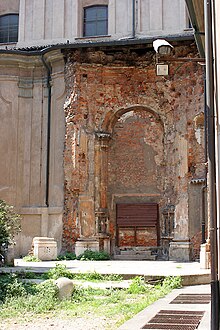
(144, 268)
(190, 272)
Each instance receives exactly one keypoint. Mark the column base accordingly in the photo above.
(204, 256)
(180, 251)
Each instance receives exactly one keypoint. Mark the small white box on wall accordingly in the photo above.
(162, 69)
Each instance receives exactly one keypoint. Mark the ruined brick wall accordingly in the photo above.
(154, 145)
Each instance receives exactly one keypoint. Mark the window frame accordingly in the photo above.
(11, 29)
(95, 21)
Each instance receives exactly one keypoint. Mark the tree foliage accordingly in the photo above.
(10, 224)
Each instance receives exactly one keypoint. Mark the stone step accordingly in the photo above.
(139, 256)
(133, 253)
(139, 248)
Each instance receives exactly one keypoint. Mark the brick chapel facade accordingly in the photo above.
(104, 153)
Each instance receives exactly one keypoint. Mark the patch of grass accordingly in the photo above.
(25, 300)
(22, 297)
(61, 271)
(96, 277)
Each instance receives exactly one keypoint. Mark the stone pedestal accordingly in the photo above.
(204, 256)
(86, 244)
(94, 244)
(45, 248)
(180, 251)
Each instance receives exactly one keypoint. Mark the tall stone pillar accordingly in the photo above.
(101, 184)
(181, 247)
(99, 240)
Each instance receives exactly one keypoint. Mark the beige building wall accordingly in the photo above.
(23, 144)
(9, 7)
(43, 22)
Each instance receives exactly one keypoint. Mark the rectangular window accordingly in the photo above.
(9, 28)
(95, 21)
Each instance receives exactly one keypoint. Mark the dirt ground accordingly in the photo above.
(76, 323)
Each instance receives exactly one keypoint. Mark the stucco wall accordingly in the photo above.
(9, 7)
(56, 21)
(23, 144)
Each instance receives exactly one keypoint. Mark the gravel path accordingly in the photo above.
(76, 323)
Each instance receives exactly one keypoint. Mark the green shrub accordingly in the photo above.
(112, 277)
(67, 256)
(79, 294)
(90, 276)
(31, 259)
(93, 255)
(15, 289)
(47, 289)
(62, 271)
(138, 285)
(11, 286)
(42, 298)
(10, 224)
(58, 271)
(173, 282)
(27, 275)
(5, 281)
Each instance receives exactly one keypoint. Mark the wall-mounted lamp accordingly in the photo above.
(162, 47)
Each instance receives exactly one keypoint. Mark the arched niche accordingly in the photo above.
(143, 132)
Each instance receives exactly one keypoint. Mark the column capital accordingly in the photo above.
(103, 138)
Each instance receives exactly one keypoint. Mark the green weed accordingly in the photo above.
(67, 256)
(93, 255)
(61, 271)
(31, 259)
(19, 300)
(138, 285)
(172, 282)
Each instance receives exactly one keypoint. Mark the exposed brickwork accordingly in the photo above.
(156, 143)
(143, 237)
(136, 153)
(196, 239)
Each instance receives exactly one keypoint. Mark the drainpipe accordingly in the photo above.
(133, 19)
(49, 71)
(211, 165)
(204, 187)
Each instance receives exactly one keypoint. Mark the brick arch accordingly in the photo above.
(112, 117)
(134, 169)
